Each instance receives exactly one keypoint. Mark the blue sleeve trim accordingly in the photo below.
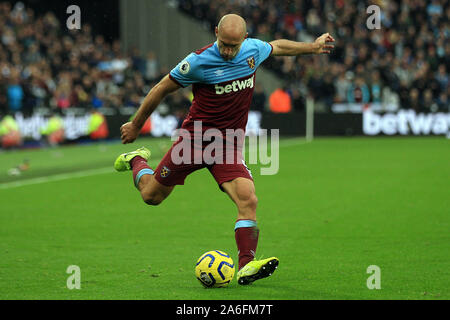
(245, 224)
(176, 81)
(142, 173)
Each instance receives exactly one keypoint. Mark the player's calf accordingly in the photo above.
(247, 207)
(242, 192)
(153, 193)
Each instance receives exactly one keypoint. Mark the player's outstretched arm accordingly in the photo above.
(285, 47)
(130, 131)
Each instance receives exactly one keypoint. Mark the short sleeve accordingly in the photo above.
(187, 71)
(264, 48)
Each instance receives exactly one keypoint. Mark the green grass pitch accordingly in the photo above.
(337, 206)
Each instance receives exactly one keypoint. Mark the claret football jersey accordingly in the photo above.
(222, 89)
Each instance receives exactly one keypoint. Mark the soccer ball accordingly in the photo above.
(214, 269)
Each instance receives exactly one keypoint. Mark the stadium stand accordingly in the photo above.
(407, 60)
(43, 64)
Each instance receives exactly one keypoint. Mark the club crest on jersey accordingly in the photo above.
(185, 67)
(251, 62)
(165, 172)
(236, 86)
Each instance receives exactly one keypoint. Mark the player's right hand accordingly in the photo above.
(128, 133)
(323, 44)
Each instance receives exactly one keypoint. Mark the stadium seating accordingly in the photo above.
(406, 60)
(44, 65)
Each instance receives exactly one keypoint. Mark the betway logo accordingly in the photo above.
(406, 122)
(236, 86)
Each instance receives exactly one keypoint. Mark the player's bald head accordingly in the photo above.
(231, 33)
(233, 27)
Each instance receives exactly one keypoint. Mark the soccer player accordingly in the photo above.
(222, 76)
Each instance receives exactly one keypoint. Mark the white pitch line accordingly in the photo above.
(56, 177)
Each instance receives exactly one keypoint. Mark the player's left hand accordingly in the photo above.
(128, 133)
(323, 44)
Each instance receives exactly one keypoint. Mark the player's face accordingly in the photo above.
(228, 50)
(229, 45)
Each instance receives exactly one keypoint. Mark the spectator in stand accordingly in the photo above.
(315, 85)
(429, 104)
(414, 100)
(342, 85)
(442, 78)
(259, 99)
(298, 100)
(15, 94)
(280, 101)
(443, 102)
(328, 91)
(151, 67)
(358, 92)
(179, 104)
(3, 99)
(376, 87)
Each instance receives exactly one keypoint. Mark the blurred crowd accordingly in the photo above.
(405, 62)
(43, 64)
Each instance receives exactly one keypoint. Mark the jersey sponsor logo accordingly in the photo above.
(251, 62)
(185, 67)
(236, 86)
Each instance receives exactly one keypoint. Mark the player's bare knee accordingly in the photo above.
(253, 202)
(153, 202)
(248, 202)
(152, 199)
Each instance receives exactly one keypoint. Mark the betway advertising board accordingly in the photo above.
(76, 127)
(369, 123)
(405, 122)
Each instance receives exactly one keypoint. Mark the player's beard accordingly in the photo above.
(228, 58)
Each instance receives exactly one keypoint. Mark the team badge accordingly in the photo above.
(165, 172)
(251, 62)
(185, 67)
